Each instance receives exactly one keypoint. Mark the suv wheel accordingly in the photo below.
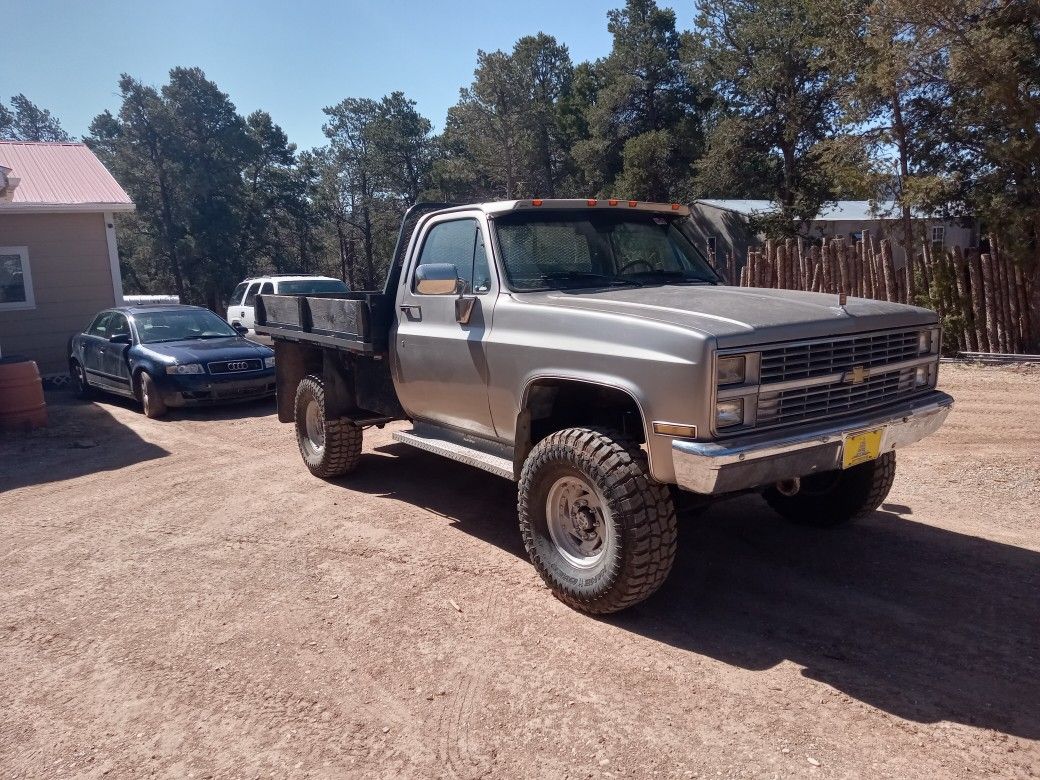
(599, 530)
(837, 497)
(330, 448)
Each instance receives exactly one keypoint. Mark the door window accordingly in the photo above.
(251, 295)
(118, 325)
(267, 289)
(461, 243)
(99, 327)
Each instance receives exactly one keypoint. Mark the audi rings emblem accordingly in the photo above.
(238, 365)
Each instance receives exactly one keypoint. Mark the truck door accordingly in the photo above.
(440, 365)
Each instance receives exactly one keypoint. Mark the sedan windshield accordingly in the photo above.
(596, 249)
(180, 325)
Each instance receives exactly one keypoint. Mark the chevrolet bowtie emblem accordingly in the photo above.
(857, 375)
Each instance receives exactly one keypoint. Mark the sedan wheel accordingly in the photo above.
(151, 398)
(79, 380)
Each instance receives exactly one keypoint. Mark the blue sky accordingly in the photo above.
(289, 58)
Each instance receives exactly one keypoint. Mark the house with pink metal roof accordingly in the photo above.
(59, 263)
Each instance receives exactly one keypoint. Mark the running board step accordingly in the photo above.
(443, 443)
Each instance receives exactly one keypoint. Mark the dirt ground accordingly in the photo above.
(181, 598)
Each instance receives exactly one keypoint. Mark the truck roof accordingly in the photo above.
(497, 207)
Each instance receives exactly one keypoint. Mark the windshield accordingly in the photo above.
(597, 248)
(304, 286)
(180, 325)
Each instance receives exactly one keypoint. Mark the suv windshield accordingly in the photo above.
(182, 325)
(305, 286)
(597, 248)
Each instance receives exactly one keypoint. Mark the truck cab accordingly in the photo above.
(587, 350)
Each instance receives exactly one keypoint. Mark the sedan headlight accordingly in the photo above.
(269, 362)
(731, 370)
(185, 368)
(729, 413)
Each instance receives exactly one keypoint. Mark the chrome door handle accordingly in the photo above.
(407, 308)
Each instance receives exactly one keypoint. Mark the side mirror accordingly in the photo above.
(437, 279)
(240, 329)
(119, 338)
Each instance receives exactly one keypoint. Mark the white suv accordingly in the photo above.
(240, 308)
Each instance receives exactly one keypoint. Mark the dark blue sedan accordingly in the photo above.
(169, 355)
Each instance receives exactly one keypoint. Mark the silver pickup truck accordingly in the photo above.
(587, 350)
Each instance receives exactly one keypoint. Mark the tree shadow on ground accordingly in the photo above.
(920, 622)
(80, 438)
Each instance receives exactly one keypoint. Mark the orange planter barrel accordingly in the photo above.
(22, 406)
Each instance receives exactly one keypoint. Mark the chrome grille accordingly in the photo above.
(805, 403)
(235, 366)
(838, 355)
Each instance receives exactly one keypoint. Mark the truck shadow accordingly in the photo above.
(920, 622)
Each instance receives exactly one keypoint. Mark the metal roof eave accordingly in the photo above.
(64, 208)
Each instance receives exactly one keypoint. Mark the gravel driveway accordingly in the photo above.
(179, 597)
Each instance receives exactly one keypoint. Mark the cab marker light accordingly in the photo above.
(612, 201)
(592, 201)
(536, 202)
(632, 204)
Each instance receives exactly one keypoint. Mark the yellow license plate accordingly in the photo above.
(861, 447)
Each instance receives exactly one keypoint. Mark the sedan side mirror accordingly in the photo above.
(119, 338)
(437, 279)
(240, 329)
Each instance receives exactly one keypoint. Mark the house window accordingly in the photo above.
(16, 290)
(938, 237)
(712, 244)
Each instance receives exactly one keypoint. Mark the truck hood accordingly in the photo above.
(740, 316)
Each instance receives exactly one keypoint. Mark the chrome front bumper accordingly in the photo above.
(762, 459)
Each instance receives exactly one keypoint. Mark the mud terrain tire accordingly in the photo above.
(330, 448)
(599, 530)
(837, 497)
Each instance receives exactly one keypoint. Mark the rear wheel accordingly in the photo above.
(330, 448)
(837, 497)
(79, 381)
(599, 530)
(151, 399)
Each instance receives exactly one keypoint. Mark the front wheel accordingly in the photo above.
(597, 527)
(151, 399)
(330, 448)
(837, 497)
(79, 381)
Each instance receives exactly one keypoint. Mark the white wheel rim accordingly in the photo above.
(315, 427)
(578, 521)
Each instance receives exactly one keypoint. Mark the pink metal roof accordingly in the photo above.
(57, 176)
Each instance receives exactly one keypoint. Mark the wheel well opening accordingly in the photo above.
(557, 404)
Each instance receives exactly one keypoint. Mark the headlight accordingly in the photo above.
(729, 413)
(928, 341)
(731, 370)
(185, 368)
(269, 362)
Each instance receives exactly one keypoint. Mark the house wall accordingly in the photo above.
(958, 233)
(71, 279)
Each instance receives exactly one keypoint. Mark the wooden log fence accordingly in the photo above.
(983, 299)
